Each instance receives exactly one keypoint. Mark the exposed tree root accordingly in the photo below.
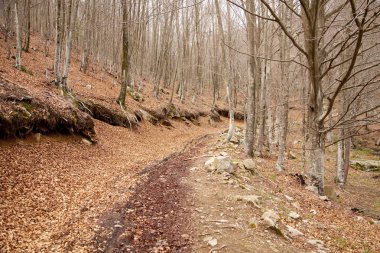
(170, 111)
(225, 113)
(108, 115)
(23, 112)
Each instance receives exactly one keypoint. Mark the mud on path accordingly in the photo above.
(156, 217)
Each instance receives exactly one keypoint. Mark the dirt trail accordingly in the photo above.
(54, 192)
(156, 217)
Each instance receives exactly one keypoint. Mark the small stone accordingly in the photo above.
(89, 86)
(249, 164)
(271, 218)
(294, 232)
(86, 141)
(359, 218)
(294, 215)
(324, 198)
(312, 211)
(223, 153)
(118, 226)
(212, 242)
(252, 199)
(37, 137)
(291, 155)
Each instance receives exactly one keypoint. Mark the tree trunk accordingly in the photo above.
(125, 55)
(27, 32)
(58, 42)
(72, 16)
(18, 38)
(250, 121)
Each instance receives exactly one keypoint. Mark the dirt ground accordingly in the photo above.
(53, 192)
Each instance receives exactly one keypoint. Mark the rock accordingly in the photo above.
(271, 218)
(253, 223)
(312, 211)
(88, 86)
(86, 141)
(378, 142)
(359, 218)
(211, 241)
(251, 199)
(294, 215)
(294, 232)
(249, 164)
(291, 155)
(167, 123)
(223, 153)
(37, 137)
(288, 198)
(219, 164)
(366, 165)
(226, 176)
(235, 139)
(324, 198)
(312, 188)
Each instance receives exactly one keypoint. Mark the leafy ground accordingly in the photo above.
(147, 190)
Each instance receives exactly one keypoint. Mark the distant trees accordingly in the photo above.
(320, 57)
(325, 40)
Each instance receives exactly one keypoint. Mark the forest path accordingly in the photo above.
(156, 217)
(54, 190)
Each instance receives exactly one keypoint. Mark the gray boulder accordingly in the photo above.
(249, 164)
(219, 164)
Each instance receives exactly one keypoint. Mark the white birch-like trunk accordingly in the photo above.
(18, 38)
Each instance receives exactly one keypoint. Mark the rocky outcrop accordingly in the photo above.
(366, 165)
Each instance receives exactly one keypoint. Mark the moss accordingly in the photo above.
(25, 70)
(135, 95)
(29, 107)
(341, 243)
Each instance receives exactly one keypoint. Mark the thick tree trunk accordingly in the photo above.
(125, 59)
(71, 25)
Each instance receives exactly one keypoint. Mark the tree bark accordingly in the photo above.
(125, 57)
(18, 38)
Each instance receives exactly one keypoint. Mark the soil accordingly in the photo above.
(156, 217)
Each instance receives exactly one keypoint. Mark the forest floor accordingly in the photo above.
(146, 190)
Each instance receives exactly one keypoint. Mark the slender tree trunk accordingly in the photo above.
(226, 75)
(8, 29)
(27, 32)
(58, 42)
(18, 38)
(250, 121)
(284, 55)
